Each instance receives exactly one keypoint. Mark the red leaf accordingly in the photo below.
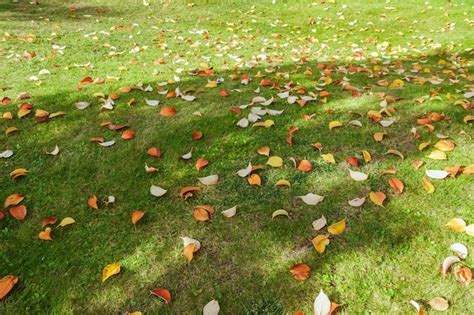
(163, 294)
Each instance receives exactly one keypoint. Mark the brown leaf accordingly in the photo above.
(200, 214)
(13, 200)
(187, 192)
(48, 221)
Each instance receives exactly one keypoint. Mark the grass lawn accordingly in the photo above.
(404, 63)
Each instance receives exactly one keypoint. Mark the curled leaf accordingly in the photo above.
(322, 304)
(229, 213)
(110, 270)
(320, 242)
(137, 216)
(18, 212)
(300, 271)
(377, 198)
(280, 212)
(45, 235)
(447, 263)
(337, 228)
(67, 221)
(6, 285)
(319, 223)
(209, 180)
(157, 191)
(162, 293)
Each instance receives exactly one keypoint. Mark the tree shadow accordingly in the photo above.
(251, 248)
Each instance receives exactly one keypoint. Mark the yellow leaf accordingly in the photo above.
(367, 156)
(320, 242)
(283, 182)
(337, 228)
(18, 173)
(110, 270)
(211, 84)
(67, 221)
(457, 224)
(10, 130)
(397, 83)
(275, 161)
(280, 212)
(268, 123)
(428, 186)
(395, 152)
(438, 155)
(328, 158)
(445, 145)
(468, 118)
(22, 112)
(424, 145)
(334, 124)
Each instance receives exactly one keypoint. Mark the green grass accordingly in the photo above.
(387, 256)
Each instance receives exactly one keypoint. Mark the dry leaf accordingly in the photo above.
(377, 198)
(137, 216)
(110, 270)
(337, 228)
(162, 293)
(300, 271)
(6, 285)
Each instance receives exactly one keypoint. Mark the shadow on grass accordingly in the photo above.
(246, 258)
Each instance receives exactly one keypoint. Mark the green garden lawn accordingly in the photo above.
(300, 149)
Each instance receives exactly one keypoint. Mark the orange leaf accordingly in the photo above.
(92, 202)
(254, 179)
(6, 285)
(264, 151)
(13, 200)
(186, 192)
(163, 294)
(305, 166)
(18, 212)
(200, 214)
(48, 221)
(377, 197)
(128, 134)
(168, 111)
(137, 216)
(197, 135)
(396, 184)
(300, 271)
(188, 252)
(45, 235)
(154, 152)
(201, 163)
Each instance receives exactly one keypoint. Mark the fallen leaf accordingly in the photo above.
(110, 270)
(45, 235)
(137, 216)
(18, 212)
(201, 163)
(157, 191)
(254, 179)
(459, 249)
(445, 145)
(128, 134)
(264, 151)
(300, 271)
(457, 224)
(280, 212)
(396, 184)
(305, 166)
(92, 202)
(187, 192)
(377, 198)
(428, 186)
(311, 199)
(438, 155)
(319, 223)
(209, 180)
(439, 304)
(329, 158)
(320, 242)
(436, 174)
(188, 252)
(322, 304)
(168, 111)
(357, 202)
(337, 228)
(229, 213)
(275, 161)
(6, 285)
(211, 308)
(67, 221)
(334, 124)
(447, 263)
(358, 176)
(164, 294)
(13, 200)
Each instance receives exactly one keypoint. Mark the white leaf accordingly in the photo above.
(187, 156)
(107, 143)
(44, 72)
(311, 199)
(386, 123)
(6, 154)
(211, 308)
(258, 99)
(436, 174)
(459, 249)
(229, 213)
(55, 151)
(187, 241)
(244, 122)
(253, 117)
(267, 102)
(209, 180)
(188, 98)
(447, 262)
(283, 94)
(357, 202)
(291, 99)
(322, 304)
(82, 105)
(152, 102)
(157, 191)
(110, 199)
(358, 176)
(245, 171)
(274, 112)
(319, 223)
